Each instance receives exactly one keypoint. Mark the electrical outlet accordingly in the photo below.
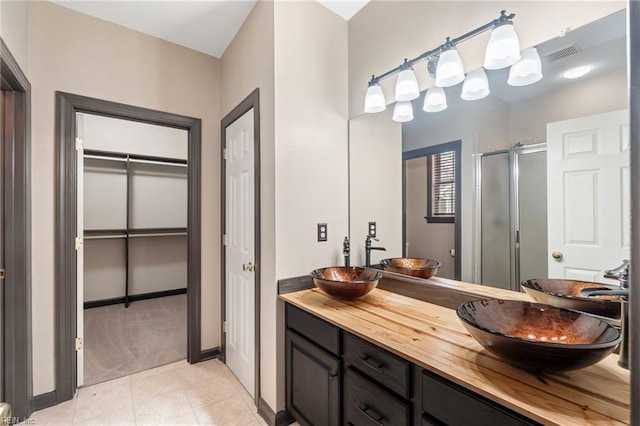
(322, 232)
(372, 229)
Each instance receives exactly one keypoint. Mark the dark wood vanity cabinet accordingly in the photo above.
(313, 379)
(334, 377)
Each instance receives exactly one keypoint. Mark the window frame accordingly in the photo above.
(432, 217)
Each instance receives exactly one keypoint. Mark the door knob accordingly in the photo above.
(556, 255)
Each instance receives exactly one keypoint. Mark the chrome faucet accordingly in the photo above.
(368, 248)
(346, 251)
(621, 273)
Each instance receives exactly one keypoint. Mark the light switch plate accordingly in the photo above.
(322, 232)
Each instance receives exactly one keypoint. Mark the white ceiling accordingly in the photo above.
(207, 26)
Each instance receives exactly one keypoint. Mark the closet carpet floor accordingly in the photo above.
(119, 342)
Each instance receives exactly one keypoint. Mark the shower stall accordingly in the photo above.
(512, 217)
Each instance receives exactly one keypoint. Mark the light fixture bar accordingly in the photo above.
(449, 43)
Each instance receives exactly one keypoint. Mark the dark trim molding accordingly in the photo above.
(16, 358)
(633, 18)
(208, 354)
(282, 418)
(290, 285)
(67, 105)
(44, 400)
(134, 298)
(423, 152)
(251, 101)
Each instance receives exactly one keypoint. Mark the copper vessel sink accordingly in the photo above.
(423, 268)
(346, 282)
(538, 337)
(566, 294)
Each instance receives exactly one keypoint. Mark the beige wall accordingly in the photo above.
(375, 166)
(248, 63)
(426, 240)
(311, 147)
(384, 32)
(528, 119)
(115, 64)
(13, 29)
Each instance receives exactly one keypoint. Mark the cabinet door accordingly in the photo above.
(313, 383)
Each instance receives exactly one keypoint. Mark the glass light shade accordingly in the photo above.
(476, 85)
(449, 71)
(403, 112)
(526, 71)
(503, 49)
(435, 100)
(407, 86)
(374, 99)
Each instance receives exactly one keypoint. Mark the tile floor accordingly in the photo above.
(206, 393)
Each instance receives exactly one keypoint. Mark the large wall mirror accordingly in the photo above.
(544, 170)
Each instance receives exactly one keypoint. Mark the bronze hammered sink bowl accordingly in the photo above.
(422, 268)
(537, 337)
(346, 282)
(566, 294)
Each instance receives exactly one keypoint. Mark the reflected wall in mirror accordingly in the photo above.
(510, 134)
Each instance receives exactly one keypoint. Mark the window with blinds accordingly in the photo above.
(441, 199)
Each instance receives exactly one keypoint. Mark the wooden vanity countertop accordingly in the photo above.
(433, 337)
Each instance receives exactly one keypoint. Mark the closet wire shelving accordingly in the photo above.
(128, 233)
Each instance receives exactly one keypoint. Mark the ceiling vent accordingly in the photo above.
(561, 52)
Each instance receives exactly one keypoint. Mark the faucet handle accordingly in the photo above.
(621, 271)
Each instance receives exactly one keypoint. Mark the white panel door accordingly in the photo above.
(80, 252)
(240, 250)
(588, 195)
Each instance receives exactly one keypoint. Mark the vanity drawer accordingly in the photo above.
(455, 406)
(384, 367)
(366, 403)
(313, 328)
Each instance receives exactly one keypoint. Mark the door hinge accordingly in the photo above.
(224, 153)
(79, 144)
(224, 239)
(224, 326)
(78, 343)
(78, 243)
(2, 274)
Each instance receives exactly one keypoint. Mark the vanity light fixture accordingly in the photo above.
(476, 85)
(374, 100)
(502, 51)
(577, 72)
(449, 70)
(403, 112)
(526, 71)
(435, 100)
(407, 84)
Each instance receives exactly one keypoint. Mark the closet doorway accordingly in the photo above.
(126, 218)
(132, 265)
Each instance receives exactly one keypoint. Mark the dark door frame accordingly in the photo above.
(455, 146)
(251, 101)
(67, 105)
(17, 365)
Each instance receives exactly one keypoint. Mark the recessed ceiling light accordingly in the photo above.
(577, 72)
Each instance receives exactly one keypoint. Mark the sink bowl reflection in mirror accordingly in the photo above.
(538, 337)
(346, 282)
(423, 268)
(566, 294)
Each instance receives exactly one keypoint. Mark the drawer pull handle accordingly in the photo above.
(372, 364)
(374, 417)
